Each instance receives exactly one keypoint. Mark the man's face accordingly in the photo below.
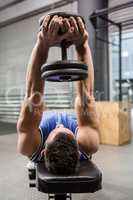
(57, 131)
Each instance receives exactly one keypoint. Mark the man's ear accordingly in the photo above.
(43, 152)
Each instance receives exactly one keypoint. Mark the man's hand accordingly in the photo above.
(78, 35)
(49, 34)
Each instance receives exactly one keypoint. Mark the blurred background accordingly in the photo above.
(110, 27)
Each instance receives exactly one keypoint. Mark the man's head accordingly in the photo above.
(61, 152)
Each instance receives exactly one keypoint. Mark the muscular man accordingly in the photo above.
(59, 139)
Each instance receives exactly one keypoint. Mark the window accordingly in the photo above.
(127, 65)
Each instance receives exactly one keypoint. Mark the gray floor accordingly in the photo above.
(116, 164)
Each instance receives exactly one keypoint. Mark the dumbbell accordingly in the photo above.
(64, 70)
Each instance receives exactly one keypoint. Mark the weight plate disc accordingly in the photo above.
(64, 64)
(65, 75)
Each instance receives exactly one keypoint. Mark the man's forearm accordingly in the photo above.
(85, 102)
(84, 55)
(34, 82)
(32, 107)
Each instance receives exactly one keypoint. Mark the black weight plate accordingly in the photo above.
(64, 64)
(65, 75)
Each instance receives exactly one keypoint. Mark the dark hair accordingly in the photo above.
(62, 155)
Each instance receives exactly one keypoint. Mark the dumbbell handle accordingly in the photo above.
(63, 50)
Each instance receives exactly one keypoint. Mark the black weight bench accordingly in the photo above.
(88, 179)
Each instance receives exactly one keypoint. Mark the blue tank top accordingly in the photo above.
(51, 120)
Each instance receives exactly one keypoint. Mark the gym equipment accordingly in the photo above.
(87, 179)
(64, 70)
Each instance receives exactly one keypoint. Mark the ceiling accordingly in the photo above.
(6, 3)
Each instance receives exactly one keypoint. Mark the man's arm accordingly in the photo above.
(32, 107)
(88, 134)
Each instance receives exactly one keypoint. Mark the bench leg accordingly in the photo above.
(60, 197)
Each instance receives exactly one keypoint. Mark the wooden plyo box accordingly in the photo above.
(115, 122)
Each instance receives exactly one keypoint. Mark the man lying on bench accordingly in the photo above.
(60, 139)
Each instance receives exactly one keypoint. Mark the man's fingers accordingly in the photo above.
(81, 25)
(44, 26)
(66, 24)
(56, 27)
(52, 24)
(74, 24)
(63, 28)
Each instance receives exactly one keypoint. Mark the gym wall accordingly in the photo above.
(16, 43)
(100, 51)
(121, 15)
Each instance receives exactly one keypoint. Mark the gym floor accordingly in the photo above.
(116, 164)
